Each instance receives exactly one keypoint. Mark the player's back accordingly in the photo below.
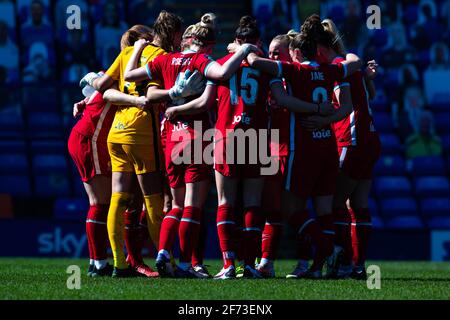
(242, 100)
(97, 117)
(313, 82)
(355, 126)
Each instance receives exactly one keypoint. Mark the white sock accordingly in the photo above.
(91, 262)
(265, 262)
(184, 265)
(100, 264)
(165, 253)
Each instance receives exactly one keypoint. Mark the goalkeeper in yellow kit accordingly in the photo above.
(134, 143)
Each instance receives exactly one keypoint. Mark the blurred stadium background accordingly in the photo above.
(42, 201)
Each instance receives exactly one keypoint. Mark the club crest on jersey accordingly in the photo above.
(317, 76)
(242, 118)
(322, 134)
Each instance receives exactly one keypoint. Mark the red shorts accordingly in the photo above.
(91, 157)
(251, 167)
(180, 174)
(313, 173)
(359, 161)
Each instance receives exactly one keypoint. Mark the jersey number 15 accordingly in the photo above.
(248, 87)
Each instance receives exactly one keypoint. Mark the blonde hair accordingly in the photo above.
(338, 44)
(204, 32)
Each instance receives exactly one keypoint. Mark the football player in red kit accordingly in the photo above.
(273, 191)
(189, 181)
(88, 149)
(313, 160)
(359, 148)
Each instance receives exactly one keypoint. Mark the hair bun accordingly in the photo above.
(208, 20)
(248, 22)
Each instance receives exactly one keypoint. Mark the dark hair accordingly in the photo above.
(135, 33)
(247, 31)
(166, 26)
(312, 34)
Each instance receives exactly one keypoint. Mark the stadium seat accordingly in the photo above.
(436, 211)
(52, 184)
(49, 163)
(435, 206)
(428, 166)
(383, 122)
(16, 185)
(11, 125)
(78, 187)
(391, 187)
(409, 222)
(405, 206)
(44, 125)
(390, 144)
(440, 102)
(439, 222)
(71, 209)
(12, 146)
(446, 144)
(48, 146)
(390, 166)
(380, 104)
(13, 163)
(373, 207)
(432, 187)
(441, 122)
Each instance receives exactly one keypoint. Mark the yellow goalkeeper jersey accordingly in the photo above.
(133, 125)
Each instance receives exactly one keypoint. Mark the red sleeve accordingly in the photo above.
(339, 71)
(202, 62)
(287, 70)
(154, 68)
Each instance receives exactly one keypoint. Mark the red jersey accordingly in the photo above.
(280, 120)
(168, 68)
(97, 118)
(242, 100)
(355, 128)
(311, 82)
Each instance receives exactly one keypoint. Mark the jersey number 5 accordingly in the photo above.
(248, 87)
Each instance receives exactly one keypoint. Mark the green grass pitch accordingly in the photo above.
(25, 278)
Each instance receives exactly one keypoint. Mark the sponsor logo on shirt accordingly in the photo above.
(322, 134)
(242, 118)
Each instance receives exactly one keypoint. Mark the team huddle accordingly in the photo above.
(140, 149)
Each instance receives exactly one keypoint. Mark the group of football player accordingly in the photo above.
(136, 146)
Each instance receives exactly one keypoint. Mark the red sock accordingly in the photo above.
(169, 229)
(343, 236)
(254, 220)
(144, 236)
(311, 228)
(189, 232)
(199, 250)
(226, 231)
(96, 227)
(361, 231)
(271, 236)
(89, 239)
(132, 237)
